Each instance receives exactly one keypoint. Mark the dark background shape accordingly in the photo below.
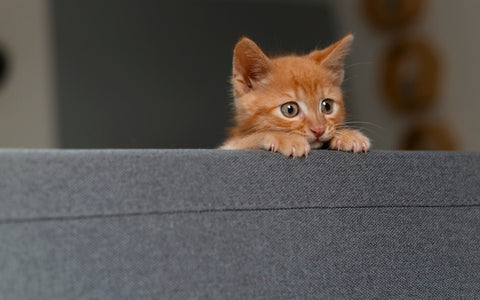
(155, 74)
(3, 65)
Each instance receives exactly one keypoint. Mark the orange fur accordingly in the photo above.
(261, 85)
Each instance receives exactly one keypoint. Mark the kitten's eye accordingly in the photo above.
(327, 106)
(289, 109)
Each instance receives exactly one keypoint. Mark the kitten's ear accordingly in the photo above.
(250, 66)
(332, 57)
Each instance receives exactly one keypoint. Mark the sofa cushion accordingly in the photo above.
(123, 224)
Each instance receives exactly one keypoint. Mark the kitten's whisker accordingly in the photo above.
(356, 128)
(358, 64)
(340, 133)
(347, 125)
(363, 123)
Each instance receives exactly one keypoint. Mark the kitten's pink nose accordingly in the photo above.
(317, 130)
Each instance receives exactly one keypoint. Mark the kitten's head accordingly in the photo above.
(296, 94)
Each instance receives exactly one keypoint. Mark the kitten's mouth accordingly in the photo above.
(321, 139)
(317, 142)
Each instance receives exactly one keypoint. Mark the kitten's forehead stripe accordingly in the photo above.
(326, 92)
(304, 108)
(290, 94)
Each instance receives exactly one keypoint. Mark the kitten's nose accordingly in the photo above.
(317, 130)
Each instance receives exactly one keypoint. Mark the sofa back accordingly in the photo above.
(133, 224)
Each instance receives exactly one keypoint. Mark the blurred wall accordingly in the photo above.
(455, 26)
(27, 107)
(120, 85)
(451, 26)
(143, 74)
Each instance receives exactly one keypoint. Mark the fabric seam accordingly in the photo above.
(220, 210)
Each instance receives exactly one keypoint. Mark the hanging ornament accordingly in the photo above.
(429, 135)
(392, 14)
(410, 75)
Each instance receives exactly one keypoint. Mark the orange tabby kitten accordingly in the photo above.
(291, 104)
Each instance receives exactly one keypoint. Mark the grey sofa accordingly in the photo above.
(212, 224)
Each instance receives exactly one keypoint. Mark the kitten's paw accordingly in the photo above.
(349, 140)
(288, 145)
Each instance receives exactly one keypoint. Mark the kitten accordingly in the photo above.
(291, 104)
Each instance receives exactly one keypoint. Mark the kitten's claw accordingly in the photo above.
(288, 145)
(306, 151)
(272, 147)
(350, 140)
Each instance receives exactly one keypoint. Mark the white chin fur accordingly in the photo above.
(316, 145)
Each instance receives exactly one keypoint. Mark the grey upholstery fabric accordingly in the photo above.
(133, 224)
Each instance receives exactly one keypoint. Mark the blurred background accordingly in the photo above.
(154, 74)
